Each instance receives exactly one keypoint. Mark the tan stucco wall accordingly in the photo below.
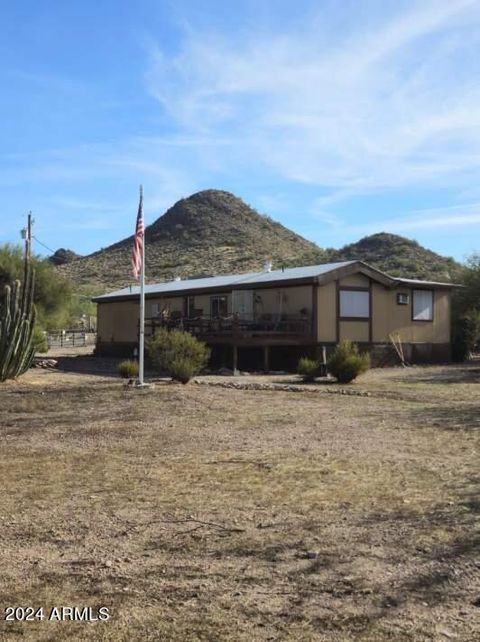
(355, 280)
(389, 317)
(354, 330)
(117, 321)
(327, 312)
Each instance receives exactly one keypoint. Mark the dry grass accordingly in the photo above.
(199, 513)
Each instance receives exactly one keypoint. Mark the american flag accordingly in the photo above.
(138, 240)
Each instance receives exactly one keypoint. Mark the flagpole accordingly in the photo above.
(141, 346)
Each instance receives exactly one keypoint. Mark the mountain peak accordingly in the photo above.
(216, 232)
(207, 211)
(211, 230)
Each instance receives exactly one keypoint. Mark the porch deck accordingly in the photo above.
(233, 328)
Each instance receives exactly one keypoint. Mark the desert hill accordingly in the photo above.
(214, 232)
(398, 256)
(210, 232)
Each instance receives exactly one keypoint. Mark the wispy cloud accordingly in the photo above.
(384, 106)
(346, 103)
(422, 219)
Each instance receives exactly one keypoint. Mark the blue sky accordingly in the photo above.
(337, 118)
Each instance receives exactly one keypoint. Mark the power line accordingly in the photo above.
(43, 244)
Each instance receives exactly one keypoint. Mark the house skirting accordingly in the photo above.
(116, 349)
(383, 354)
(285, 357)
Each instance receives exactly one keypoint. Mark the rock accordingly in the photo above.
(45, 363)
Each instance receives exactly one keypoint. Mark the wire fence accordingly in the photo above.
(70, 338)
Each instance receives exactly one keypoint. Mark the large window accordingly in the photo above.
(242, 303)
(218, 306)
(354, 304)
(422, 305)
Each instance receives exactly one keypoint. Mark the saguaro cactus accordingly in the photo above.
(17, 321)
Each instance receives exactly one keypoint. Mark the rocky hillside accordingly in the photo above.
(214, 232)
(398, 256)
(211, 232)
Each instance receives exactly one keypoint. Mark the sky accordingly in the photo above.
(338, 118)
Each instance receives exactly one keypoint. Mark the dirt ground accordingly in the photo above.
(203, 513)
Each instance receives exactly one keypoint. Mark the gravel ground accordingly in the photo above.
(201, 512)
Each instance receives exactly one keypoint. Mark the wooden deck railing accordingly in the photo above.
(235, 327)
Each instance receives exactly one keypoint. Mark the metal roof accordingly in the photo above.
(228, 281)
(232, 281)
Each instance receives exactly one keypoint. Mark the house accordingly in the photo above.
(269, 319)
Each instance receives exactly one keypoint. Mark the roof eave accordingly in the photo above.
(430, 284)
(353, 268)
(310, 280)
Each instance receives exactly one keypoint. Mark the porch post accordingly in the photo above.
(235, 359)
(266, 358)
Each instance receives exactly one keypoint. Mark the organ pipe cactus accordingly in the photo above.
(17, 321)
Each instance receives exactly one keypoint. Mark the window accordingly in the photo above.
(403, 298)
(242, 303)
(354, 304)
(218, 306)
(155, 309)
(423, 305)
(189, 307)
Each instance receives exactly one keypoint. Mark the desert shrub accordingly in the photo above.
(177, 353)
(53, 292)
(182, 370)
(39, 340)
(347, 363)
(128, 369)
(465, 334)
(466, 311)
(308, 368)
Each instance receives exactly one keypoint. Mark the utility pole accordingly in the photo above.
(27, 236)
(28, 243)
